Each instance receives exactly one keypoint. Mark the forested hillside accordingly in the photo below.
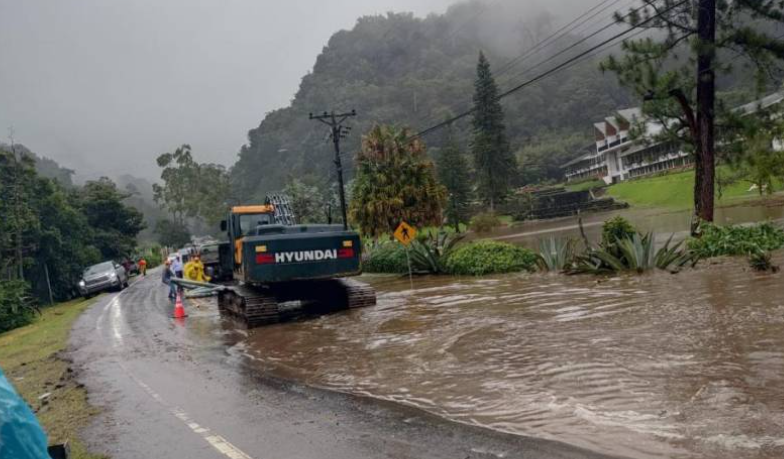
(45, 167)
(415, 72)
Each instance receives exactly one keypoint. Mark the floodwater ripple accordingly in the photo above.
(653, 366)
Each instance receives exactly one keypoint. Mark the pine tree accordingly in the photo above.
(678, 82)
(453, 173)
(493, 160)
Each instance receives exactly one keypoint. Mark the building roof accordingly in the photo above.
(765, 102)
(587, 155)
(635, 115)
(601, 127)
(613, 121)
(631, 115)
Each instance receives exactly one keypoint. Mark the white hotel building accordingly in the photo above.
(615, 156)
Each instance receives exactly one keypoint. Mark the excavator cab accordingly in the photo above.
(246, 221)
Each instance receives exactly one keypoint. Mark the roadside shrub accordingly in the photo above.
(484, 222)
(489, 257)
(17, 307)
(736, 240)
(615, 229)
(385, 257)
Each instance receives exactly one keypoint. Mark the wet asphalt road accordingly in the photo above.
(172, 390)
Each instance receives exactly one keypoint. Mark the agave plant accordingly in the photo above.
(429, 253)
(555, 254)
(633, 253)
(674, 258)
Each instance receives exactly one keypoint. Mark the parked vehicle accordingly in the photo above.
(101, 277)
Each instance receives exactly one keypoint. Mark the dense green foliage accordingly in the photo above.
(494, 164)
(615, 229)
(385, 257)
(49, 234)
(395, 182)
(718, 240)
(16, 305)
(192, 189)
(114, 224)
(415, 72)
(45, 167)
(171, 234)
(453, 173)
(489, 257)
(441, 253)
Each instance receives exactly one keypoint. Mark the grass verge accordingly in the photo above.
(31, 357)
(675, 191)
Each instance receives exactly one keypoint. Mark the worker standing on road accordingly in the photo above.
(177, 266)
(142, 266)
(168, 275)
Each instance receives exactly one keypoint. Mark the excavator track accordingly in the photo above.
(253, 307)
(358, 294)
(258, 306)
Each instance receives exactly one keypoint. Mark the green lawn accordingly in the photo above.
(31, 359)
(674, 191)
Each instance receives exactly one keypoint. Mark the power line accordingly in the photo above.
(557, 35)
(561, 66)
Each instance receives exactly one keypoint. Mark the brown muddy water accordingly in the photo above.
(653, 366)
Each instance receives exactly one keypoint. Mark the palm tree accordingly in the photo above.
(394, 182)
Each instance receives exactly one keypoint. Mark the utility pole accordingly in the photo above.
(337, 131)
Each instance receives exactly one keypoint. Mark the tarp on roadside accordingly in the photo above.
(21, 436)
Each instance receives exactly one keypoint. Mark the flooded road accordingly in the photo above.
(654, 366)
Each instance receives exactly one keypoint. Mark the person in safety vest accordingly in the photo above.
(194, 270)
(142, 266)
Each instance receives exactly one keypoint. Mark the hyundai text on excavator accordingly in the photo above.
(275, 262)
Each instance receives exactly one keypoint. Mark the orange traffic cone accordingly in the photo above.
(179, 311)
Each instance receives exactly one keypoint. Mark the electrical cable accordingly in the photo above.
(555, 69)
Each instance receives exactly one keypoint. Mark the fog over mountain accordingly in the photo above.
(104, 87)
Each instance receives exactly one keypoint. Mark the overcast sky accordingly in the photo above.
(104, 86)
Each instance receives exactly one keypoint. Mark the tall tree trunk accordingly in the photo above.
(706, 95)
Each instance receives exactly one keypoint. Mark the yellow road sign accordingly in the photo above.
(405, 233)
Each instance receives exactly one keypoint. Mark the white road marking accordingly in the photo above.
(220, 444)
(117, 321)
